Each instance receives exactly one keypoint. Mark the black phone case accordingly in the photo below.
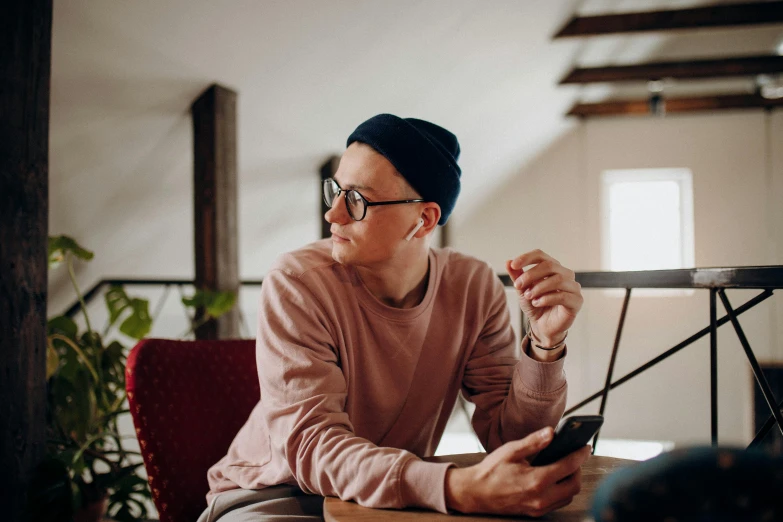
(573, 433)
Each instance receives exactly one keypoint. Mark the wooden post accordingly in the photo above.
(25, 64)
(215, 202)
(327, 170)
(445, 236)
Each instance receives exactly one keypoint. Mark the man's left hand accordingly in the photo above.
(548, 294)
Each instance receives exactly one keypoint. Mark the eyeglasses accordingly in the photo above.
(355, 202)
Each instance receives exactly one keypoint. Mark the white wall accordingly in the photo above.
(553, 204)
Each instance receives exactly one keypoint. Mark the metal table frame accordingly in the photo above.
(717, 281)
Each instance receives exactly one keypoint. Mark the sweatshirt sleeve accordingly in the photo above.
(303, 396)
(513, 396)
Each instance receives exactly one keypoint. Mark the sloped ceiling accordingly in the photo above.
(307, 72)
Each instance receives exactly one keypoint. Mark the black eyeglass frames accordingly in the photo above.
(354, 201)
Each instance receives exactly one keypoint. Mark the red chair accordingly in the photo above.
(188, 400)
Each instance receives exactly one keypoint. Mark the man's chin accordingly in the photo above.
(339, 255)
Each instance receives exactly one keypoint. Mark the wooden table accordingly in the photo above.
(336, 510)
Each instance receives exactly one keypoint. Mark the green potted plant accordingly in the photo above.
(86, 395)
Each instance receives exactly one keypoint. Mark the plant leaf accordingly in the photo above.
(59, 246)
(75, 405)
(195, 301)
(220, 303)
(70, 362)
(128, 495)
(117, 301)
(62, 324)
(92, 343)
(52, 359)
(113, 365)
(215, 303)
(138, 323)
(84, 351)
(76, 493)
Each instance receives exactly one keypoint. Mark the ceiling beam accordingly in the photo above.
(698, 17)
(718, 68)
(675, 105)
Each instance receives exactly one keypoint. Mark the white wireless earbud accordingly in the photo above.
(415, 229)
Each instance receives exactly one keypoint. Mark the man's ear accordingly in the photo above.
(431, 215)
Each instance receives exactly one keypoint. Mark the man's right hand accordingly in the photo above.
(505, 483)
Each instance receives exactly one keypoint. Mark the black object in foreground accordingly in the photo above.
(695, 485)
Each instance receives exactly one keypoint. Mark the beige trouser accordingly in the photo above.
(272, 504)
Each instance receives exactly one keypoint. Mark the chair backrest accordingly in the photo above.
(188, 400)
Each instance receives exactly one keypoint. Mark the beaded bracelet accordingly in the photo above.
(535, 342)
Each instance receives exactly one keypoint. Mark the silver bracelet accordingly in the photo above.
(535, 341)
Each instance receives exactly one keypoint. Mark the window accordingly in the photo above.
(647, 219)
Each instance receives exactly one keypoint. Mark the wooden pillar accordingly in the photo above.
(25, 62)
(445, 236)
(215, 202)
(327, 170)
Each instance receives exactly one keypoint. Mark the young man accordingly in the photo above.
(365, 340)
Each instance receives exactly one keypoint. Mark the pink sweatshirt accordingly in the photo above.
(354, 392)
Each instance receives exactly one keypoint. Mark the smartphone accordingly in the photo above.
(571, 434)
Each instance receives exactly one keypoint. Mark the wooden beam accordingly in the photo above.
(721, 15)
(25, 69)
(215, 202)
(717, 68)
(445, 236)
(327, 170)
(675, 105)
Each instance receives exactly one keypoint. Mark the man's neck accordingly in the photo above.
(400, 285)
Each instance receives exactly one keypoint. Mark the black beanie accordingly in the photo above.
(424, 153)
